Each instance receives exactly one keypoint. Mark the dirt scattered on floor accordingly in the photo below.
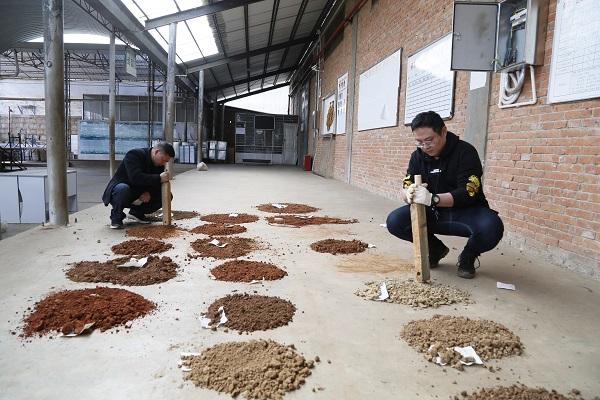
(236, 247)
(290, 208)
(157, 270)
(302, 220)
(69, 310)
(416, 294)
(249, 313)
(374, 263)
(247, 271)
(141, 247)
(154, 231)
(258, 369)
(219, 229)
(229, 219)
(518, 392)
(437, 337)
(335, 246)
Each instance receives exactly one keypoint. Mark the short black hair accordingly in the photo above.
(166, 148)
(428, 119)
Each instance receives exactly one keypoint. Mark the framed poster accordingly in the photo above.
(328, 112)
(342, 94)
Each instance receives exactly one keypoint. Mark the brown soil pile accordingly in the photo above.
(219, 229)
(69, 310)
(154, 231)
(439, 335)
(156, 270)
(141, 247)
(518, 392)
(247, 271)
(291, 208)
(334, 246)
(299, 220)
(236, 247)
(258, 369)
(249, 313)
(226, 219)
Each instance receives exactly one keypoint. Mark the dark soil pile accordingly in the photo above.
(227, 219)
(154, 231)
(69, 310)
(249, 313)
(290, 208)
(259, 369)
(141, 247)
(518, 392)
(219, 229)
(437, 337)
(334, 246)
(299, 220)
(236, 247)
(156, 270)
(247, 271)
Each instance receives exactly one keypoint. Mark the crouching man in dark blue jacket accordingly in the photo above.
(137, 184)
(452, 193)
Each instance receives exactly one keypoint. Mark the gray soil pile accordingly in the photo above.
(141, 247)
(335, 246)
(247, 271)
(236, 247)
(156, 270)
(258, 369)
(439, 335)
(219, 229)
(154, 231)
(301, 220)
(227, 219)
(249, 313)
(291, 208)
(415, 294)
(518, 392)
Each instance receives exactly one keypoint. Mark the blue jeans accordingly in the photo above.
(481, 225)
(122, 196)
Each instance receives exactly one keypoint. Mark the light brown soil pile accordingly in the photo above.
(335, 246)
(69, 310)
(258, 369)
(300, 220)
(219, 229)
(518, 392)
(439, 335)
(247, 271)
(154, 231)
(157, 270)
(227, 219)
(291, 208)
(236, 247)
(141, 247)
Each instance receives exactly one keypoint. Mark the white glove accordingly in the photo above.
(409, 193)
(422, 196)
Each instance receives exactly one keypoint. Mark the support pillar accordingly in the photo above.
(112, 105)
(200, 118)
(170, 88)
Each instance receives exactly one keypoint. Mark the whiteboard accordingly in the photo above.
(429, 80)
(575, 67)
(378, 94)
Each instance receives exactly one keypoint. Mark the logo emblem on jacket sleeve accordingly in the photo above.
(473, 185)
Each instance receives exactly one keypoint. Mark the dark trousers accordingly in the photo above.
(122, 196)
(481, 225)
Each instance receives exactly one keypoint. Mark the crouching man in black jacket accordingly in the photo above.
(456, 206)
(136, 184)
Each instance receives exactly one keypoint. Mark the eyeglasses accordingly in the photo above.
(425, 143)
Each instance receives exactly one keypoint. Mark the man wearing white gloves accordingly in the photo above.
(452, 193)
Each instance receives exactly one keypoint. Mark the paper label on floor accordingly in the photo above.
(186, 354)
(223, 319)
(215, 242)
(280, 206)
(468, 353)
(383, 225)
(83, 330)
(234, 215)
(134, 263)
(371, 246)
(507, 286)
(205, 322)
(383, 292)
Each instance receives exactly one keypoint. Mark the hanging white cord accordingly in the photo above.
(511, 90)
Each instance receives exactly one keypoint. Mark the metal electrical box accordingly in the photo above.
(505, 36)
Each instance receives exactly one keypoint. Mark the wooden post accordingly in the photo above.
(166, 200)
(418, 219)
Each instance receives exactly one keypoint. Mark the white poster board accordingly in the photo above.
(130, 65)
(378, 94)
(429, 80)
(575, 67)
(342, 94)
(328, 113)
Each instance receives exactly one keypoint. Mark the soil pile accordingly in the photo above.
(156, 270)
(518, 392)
(219, 229)
(301, 220)
(290, 208)
(437, 337)
(258, 369)
(236, 247)
(247, 271)
(154, 231)
(69, 310)
(334, 246)
(249, 313)
(141, 247)
(230, 218)
(415, 294)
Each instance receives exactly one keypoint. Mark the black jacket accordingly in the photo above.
(138, 171)
(458, 171)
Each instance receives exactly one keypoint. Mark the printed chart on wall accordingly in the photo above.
(378, 94)
(342, 94)
(328, 110)
(575, 68)
(429, 80)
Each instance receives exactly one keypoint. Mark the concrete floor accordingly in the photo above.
(555, 312)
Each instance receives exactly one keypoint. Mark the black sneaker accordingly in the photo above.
(139, 219)
(116, 225)
(466, 265)
(436, 253)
